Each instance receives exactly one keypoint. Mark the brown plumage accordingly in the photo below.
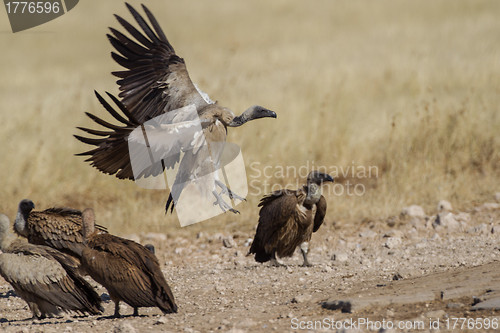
(288, 218)
(129, 271)
(44, 277)
(156, 82)
(59, 228)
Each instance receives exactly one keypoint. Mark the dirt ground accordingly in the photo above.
(399, 271)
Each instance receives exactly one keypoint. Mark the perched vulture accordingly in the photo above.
(129, 271)
(59, 228)
(44, 277)
(156, 83)
(288, 218)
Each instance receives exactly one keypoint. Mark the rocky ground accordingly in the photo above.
(414, 271)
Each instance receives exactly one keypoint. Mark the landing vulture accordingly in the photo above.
(156, 83)
(288, 218)
(59, 228)
(129, 271)
(44, 277)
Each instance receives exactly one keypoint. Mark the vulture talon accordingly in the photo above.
(222, 204)
(227, 191)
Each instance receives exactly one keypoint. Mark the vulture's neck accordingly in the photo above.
(240, 120)
(313, 194)
(20, 224)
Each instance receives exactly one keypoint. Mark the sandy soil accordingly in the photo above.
(400, 270)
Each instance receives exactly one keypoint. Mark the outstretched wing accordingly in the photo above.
(156, 79)
(320, 213)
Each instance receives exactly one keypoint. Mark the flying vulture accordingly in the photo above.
(129, 271)
(288, 218)
(155, 84)
(44, 277)
(59, 228)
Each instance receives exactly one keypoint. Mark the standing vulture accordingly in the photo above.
(129, 271)
(59, 228)
(288, 218)
(156, 83)
(45, 278)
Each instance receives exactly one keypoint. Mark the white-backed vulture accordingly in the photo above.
(59, 228)
(288, 218)
(155, 82)
(44, 277)
(129, 271)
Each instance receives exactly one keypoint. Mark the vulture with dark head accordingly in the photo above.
(59, 228)
(44, 277)
(155, 82)
(288, 218)
(129, 271)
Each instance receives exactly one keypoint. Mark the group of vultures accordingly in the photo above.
(51, 253)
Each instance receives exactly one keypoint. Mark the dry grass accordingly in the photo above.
(412, 88)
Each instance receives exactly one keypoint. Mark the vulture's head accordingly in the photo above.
(318, 177)
(88, 223)
(25, 207)
(252, 113)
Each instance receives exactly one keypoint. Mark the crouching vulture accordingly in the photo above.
(59, 228)
(156, 83)
(44, 277)
(129, 271)
(288, 218)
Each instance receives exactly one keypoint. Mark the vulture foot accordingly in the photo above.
(222, 204)
(227, 191)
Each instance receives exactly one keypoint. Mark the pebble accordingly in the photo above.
(368, 234)
(497, 196)
(444, 206)
(340, 257)
(435, 314)
(229, 242)
(301, 298)
(490, 206)
(413, 211)
(124, 327)
(392, 242)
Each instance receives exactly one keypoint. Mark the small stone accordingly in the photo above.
(454, 305)
(162, 320)
(444, 206)
(394, 233)
(229, 242)
(340, 257)
(392, 242)
(497, 196)
(344, 306)
(495, 229)
(301, 298)
(436, 237)
(155, 236)
(413, 211)
(435, 314)
(490, 206)
(124, 327)
(248, 241)
(490, 304)
(368, 234)
(463, 217)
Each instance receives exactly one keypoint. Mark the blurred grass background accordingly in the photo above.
(410, 87)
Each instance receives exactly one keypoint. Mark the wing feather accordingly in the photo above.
(320, 213)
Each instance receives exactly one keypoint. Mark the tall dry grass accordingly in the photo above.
(412, 88)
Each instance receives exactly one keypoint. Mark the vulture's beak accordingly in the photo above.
(328, 178)
(270, 114)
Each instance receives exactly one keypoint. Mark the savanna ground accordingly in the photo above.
(410, 89)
